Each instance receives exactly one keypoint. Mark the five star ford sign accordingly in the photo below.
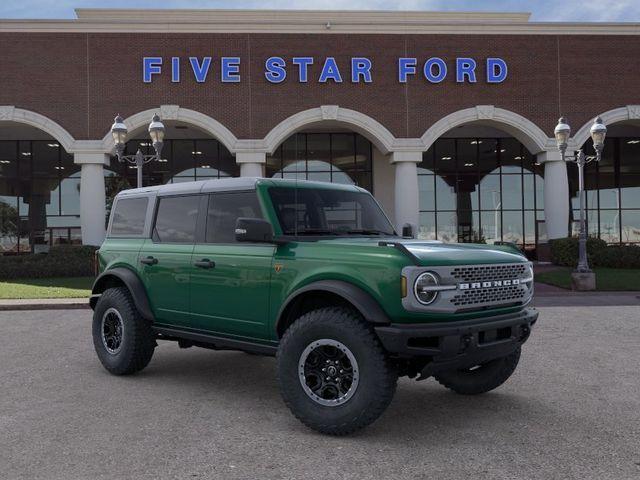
(361, 69)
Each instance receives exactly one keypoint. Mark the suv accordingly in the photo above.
(314, 274)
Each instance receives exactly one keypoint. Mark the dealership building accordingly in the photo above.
(447, 118)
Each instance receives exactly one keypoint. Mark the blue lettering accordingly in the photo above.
(330, 71)
(200, 71)
(150, 66)
(360, 67)
(428, 70)
(303, 66)
(406, 66)
(230, 69)
(465, 67)
(496, 70)
(175, 69)
(275, 69)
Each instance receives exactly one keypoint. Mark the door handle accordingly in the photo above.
(205, 263)
(149, 260)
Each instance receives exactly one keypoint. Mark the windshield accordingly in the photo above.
(317, 211)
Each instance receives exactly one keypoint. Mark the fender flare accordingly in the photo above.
(368, 307)
(132, 282)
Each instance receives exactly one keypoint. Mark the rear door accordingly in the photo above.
(165, 258)
(230, 281)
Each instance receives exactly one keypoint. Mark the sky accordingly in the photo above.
(542, 10)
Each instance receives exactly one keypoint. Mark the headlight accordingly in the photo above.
(426, 288)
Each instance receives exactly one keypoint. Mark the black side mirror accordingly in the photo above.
(407, 231)
(254, 230)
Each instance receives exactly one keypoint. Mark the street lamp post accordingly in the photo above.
(598, 132)
(119, 133)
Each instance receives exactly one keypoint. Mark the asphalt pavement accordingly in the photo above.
(571, 410)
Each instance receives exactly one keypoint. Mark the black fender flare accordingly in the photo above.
(368, 307)
(131, 281)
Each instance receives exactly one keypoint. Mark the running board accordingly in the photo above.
(215, 341)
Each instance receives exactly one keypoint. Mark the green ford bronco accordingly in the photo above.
(314, 274)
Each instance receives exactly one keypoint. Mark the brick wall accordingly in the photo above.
(82, 80)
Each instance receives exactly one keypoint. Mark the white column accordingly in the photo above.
(406, 189)
(92, 196)
(251, 163)
(556, 194)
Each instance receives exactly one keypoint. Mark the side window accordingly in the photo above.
(176, 219)
(224, 210)
(128, 216)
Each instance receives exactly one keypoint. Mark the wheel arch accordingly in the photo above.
(324, 293)
(121, 276)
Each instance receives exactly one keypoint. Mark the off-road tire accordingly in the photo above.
(138, 341)
(377, 376)
(482, 379)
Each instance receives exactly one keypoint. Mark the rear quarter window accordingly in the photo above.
(129, 216)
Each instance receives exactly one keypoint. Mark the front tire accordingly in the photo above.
(333, 373)
(122, 339)
(482, 378)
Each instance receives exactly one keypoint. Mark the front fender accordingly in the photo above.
(133, 284)
(368, 307)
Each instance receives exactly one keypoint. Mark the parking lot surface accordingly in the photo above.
(571, 410)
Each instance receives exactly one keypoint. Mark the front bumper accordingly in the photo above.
(452, 345)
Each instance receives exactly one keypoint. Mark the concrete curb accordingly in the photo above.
(43, 304)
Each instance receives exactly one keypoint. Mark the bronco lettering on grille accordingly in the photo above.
(489, 284)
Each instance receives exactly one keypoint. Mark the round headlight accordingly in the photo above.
(422, 288)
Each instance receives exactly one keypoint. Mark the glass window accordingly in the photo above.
(630, 226)
(487, 155)
(427, 228)
(129, 216)
(445, 194)
(609, 226)
(316, 211)
(223, 212)
(176, 219)
(328, 157)
(426, 188)
(512, 192)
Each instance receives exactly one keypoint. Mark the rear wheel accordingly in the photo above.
(122, 339)
(334, 375)
(480, 378)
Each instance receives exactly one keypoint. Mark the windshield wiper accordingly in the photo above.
(364, 231)
(313, 231)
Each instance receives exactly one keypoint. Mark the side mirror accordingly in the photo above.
(255, 230)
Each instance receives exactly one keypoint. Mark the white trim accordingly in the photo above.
(9, 113)
(382, 138)
(527, 132)
(175, 112)
(621, 114)
(309, 21)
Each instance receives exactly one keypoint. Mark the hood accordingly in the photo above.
(433, 253)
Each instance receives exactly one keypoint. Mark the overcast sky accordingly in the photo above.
(542, 10)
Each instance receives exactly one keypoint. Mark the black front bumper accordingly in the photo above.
(451, 345)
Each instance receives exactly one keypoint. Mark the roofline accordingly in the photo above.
(310, 21)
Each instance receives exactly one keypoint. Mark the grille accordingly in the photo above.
(489, 272)
(514, 293)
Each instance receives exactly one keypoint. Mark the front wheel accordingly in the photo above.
(480, 378)
(334, 376)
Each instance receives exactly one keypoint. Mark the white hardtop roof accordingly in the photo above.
(225, 185)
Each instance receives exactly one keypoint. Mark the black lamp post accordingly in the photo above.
(156, 132)
(598, 132)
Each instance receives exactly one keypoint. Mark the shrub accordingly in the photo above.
(62, 261)
(564, 252)
(619, 256)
